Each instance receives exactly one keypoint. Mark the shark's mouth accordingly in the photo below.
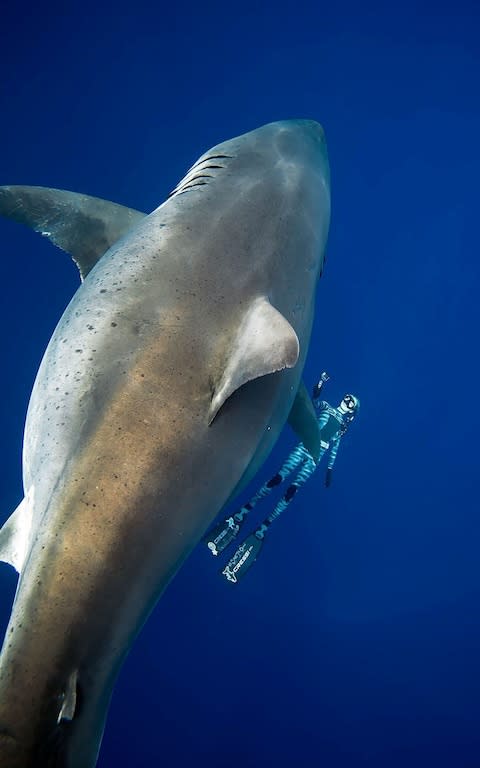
(197, 176)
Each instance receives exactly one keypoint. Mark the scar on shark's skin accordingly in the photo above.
(162, 390)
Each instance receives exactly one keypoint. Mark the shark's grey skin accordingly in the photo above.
(164, 386)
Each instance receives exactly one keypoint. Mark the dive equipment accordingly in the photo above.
(225, 532)
(244, 557)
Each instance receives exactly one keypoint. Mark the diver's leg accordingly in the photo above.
(306, 471)
(222, 535)
(296, 457)
(249, 550)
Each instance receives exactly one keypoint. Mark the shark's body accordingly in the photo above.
(152, 406)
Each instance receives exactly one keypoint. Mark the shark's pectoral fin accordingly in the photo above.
(304, 422)
(15, 534)
(83, 226)
(69, 702)
(264, 343)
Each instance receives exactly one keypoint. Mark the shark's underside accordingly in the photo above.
(162, 390)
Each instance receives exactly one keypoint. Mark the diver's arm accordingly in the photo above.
(322, 414)
(333, 451)
(331, 460)
(318, 386)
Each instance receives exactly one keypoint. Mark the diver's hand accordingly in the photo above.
(328, 478)
(318, 386)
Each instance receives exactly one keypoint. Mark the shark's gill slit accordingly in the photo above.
(196, 184)
(212, 157)
(196, 172)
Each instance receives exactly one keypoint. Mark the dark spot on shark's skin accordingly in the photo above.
(114, 325)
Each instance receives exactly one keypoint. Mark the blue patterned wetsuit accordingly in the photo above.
(332, 423)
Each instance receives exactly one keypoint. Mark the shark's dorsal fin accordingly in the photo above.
(264, 343)
(15, 534)
(304, 422)
(83, 226)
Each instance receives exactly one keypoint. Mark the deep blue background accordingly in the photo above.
(354, 641)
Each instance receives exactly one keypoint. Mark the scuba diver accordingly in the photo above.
(333, 423)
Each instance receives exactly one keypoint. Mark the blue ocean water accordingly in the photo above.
(354, 639)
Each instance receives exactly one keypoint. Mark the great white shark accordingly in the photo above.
(164, 386)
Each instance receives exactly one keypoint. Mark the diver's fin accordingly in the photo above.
(304, 422)
(15, 535)
(243, 559)
(83, 226)
(222, 535)
(264, 343)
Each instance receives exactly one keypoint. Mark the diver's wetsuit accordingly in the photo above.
(332, 423)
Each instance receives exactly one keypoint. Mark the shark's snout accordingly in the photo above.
(300, 130)
(308, 127)
(299, 143)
